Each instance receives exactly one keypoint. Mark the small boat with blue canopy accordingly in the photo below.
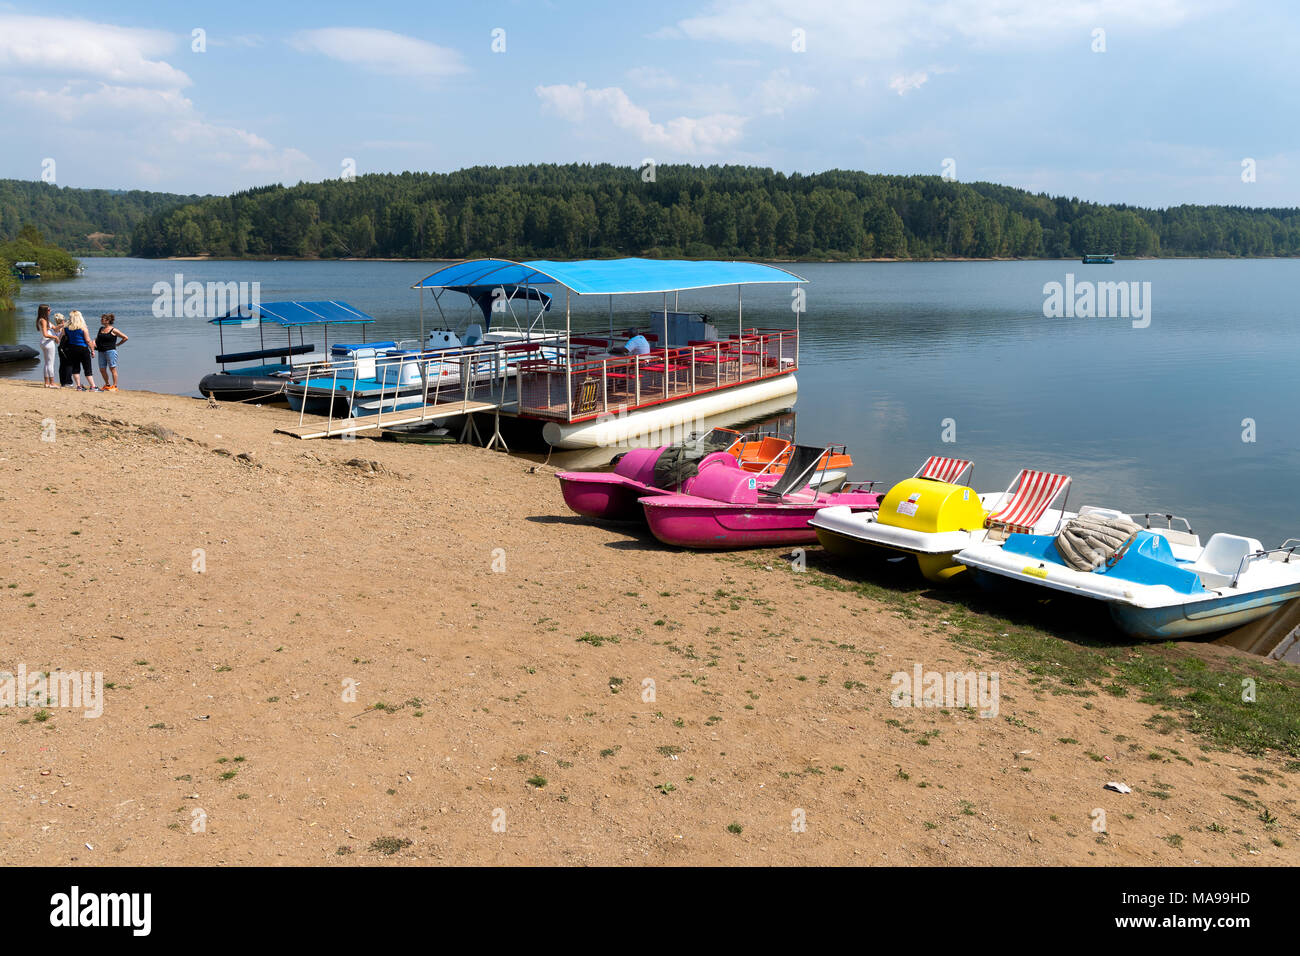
(26, 271)
(265, 381)
(1099, 259)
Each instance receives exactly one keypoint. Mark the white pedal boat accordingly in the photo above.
(933, 517)
(1161, 584)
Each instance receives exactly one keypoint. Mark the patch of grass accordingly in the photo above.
(596, 640)
(1190, 692)
(537, 781)
(388, 845)
(735, 828)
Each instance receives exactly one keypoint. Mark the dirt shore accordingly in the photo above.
(498, 652)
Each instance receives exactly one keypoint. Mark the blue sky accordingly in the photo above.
(1013, 91)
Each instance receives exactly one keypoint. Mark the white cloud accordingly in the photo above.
(903, 83)
(875, 29)
(381, 51)
(686, 135)
(101, 101)
(37, 46)
(780, 91)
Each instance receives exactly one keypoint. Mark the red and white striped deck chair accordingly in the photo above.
(948, 470)
(1029, 496)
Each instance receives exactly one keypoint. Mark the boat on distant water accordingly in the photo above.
(1099, 259)
(1158, 583)
(266, 381)
(26, 271)
(727, 508)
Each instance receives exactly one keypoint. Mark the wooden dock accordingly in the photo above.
(315, 427)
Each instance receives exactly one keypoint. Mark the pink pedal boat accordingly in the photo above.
(641, 472)
(616, 495)
(727, 508)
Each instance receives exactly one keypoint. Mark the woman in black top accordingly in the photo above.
(80, 351)
(107, 339)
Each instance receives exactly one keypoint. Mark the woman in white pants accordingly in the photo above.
(49, 344)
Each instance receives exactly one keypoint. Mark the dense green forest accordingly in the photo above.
(693, 211)
(83, 221)
(30, 246)
(579, 210)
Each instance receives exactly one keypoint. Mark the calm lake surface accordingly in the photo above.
(1142, 418)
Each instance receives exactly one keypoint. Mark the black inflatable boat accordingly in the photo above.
(18, 353)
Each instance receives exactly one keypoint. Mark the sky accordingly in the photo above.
(1147, 102)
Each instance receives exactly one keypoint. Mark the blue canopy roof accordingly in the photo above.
(606, 276)
(292, 314)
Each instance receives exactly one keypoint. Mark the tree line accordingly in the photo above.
(580, 211)
(83, 221)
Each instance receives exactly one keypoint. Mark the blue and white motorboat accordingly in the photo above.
(1159, 583)
(367, 378)
(276, 365)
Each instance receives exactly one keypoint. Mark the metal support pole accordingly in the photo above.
(568, 359)
(665, 346)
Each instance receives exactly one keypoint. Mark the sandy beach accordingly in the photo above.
(364, 652)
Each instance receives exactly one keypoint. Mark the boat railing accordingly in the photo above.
(586, 382)
(1169, 519)
(1287, 548)
(478, 367)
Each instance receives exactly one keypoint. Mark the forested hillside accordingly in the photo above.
(592, 211)
(578, 210)
(30, 246)
(83, 221)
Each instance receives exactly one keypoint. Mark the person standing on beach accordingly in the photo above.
(107, 340)
(80, 351)
(65, 363)
(49, 344)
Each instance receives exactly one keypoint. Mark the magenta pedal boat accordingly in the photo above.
(727, 509)
(616, 495)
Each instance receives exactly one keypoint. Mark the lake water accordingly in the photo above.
(1142, 418)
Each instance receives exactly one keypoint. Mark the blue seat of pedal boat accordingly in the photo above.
(1149, 560)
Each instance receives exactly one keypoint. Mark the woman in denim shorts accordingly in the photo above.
(107, 340)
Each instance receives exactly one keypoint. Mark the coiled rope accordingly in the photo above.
(1088, 542)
